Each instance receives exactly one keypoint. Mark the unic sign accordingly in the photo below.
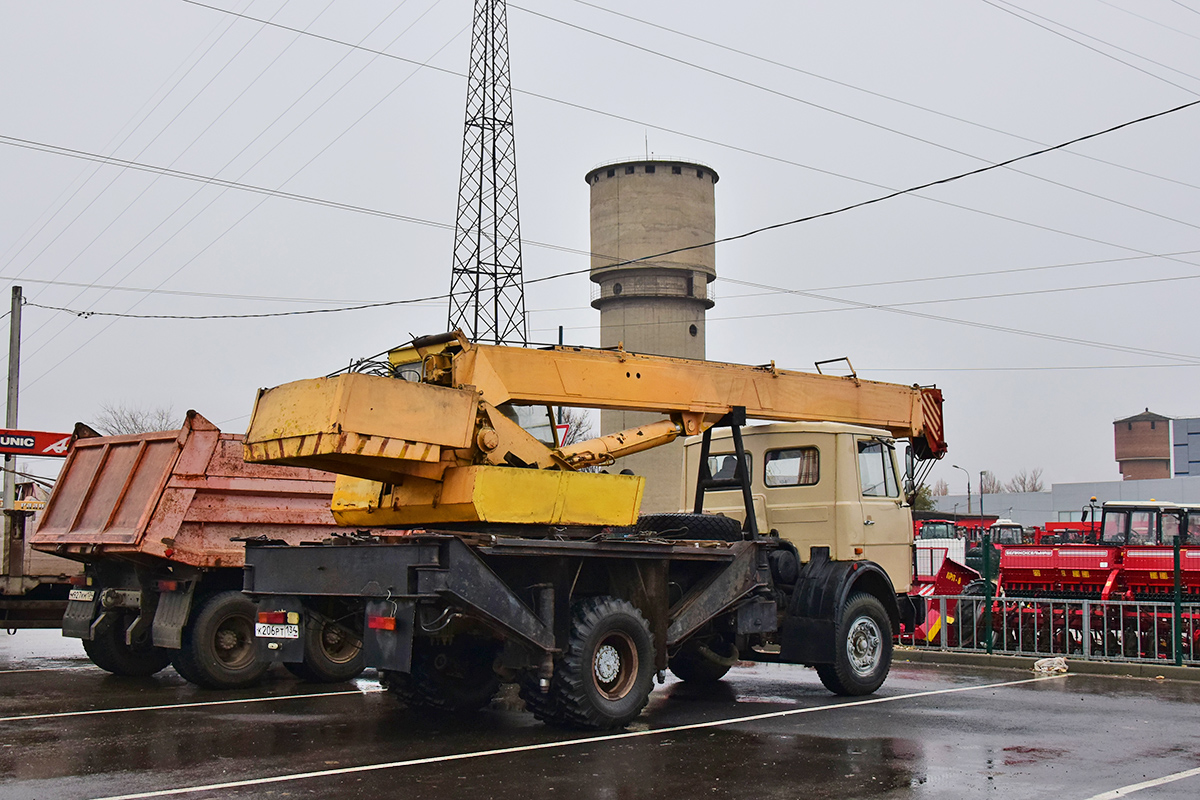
(34, 443)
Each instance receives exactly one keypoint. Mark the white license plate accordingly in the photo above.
(86, 595)
(265, 631)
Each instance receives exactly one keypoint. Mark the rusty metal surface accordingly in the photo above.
(181, 495)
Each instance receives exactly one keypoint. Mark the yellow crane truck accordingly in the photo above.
(475, 553)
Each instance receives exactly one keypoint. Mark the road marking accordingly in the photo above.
(60, 714)
(211, 787)
(1137, 787)
(46, 669)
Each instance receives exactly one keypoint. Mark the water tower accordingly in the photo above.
(640, 209)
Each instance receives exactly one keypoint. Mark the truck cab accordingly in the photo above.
(817, 484)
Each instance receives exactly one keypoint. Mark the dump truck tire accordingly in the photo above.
(331, 654)
(605, 677)
(109, 652)
(219, 651)
(457, 677)
(693, 665)
(705, 527)
(863, 648)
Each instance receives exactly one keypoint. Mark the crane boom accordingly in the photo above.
(441, 445)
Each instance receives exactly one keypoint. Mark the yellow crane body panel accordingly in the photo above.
(491, 494)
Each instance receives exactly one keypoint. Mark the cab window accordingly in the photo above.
(795, 467)
(1116, 523)
(1170, 527)
(876, 470)
(1141, 527)
(723, 466)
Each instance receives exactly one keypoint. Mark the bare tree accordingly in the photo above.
(117, 419)
(939, 489)
(989, 483)
(579, 425)
(1027, 481)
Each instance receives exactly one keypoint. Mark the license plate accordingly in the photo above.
(85, 595)
(265, 631)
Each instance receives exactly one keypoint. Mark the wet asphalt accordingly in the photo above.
(69, 730)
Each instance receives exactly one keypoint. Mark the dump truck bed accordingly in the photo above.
(180, 495)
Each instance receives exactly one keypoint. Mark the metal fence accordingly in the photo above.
(1116, 630)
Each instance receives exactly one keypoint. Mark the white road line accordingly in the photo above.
(47, 669)
(1137, 787)
(556, 745)
(127, 710)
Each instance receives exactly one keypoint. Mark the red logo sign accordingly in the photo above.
(34, 443)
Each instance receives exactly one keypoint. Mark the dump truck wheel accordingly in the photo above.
(455, 677)
(109, 652)
(219, 651)
(331, 654)
(693, 665)
(606, 674)
(705, 527)
(863, 648)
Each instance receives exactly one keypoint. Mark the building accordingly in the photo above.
(1142, 444)
(1186, 446)
(642, 208)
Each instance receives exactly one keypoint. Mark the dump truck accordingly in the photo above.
(155, 520)
(478, 554)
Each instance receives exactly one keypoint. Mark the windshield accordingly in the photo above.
(1116, 523)
(1007, 534)
(937, 530)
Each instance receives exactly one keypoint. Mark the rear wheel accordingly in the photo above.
(331, 653)
(605, 676)
(454, 677)
(863, 648)
(109, 652)
(219, 651)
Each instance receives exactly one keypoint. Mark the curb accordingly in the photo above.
(1025, 664)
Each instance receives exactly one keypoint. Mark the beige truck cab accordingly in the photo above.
(817, 484)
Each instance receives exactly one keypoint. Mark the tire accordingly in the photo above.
(109, 652)
(863, 649)
(219, 650)
(331, 654)
(692, 664)
(704, 527)
(605, 677)
(457, 677)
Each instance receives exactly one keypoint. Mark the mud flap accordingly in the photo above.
(388, 645)
(170, 617)
(77, 620)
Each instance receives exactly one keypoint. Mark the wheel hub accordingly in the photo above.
(864, 645)
(608, 663)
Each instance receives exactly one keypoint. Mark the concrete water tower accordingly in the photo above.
(656, 306)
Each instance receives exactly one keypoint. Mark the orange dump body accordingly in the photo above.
(180, 495)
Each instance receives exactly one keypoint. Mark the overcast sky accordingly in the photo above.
(1094, 250)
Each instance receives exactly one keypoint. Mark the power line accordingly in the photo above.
(880, 95)
(1147, 19)
(86, 313)
(843, 114)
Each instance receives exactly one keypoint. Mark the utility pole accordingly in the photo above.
(487, 290)
(13, 550)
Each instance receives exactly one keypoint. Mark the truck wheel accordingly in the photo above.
(863, 648)
(694, 665)
(455, 677)
(331, 654)
(218, 650)
(606, 674)
(109, 652)
(705, 527)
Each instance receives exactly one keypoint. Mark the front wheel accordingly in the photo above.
(109, 652)
(605, 676)
(219, 651)
(862, 650)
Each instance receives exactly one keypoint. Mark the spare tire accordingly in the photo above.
(704, 527)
